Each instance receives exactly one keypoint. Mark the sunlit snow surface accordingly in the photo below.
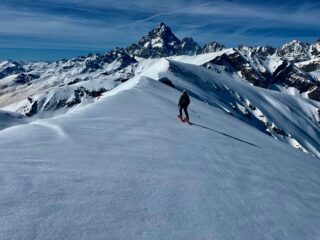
(125, 168)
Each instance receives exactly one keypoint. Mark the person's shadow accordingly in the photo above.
(224, 134)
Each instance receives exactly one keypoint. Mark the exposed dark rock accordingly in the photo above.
(264, 51)
(311, 66)
(212, 47)
(314, 93)
(161, 42)
(33, 109)
(11, 68)
(278, 131)
(96, 93)
(252, 107)
(167, 81)
(23, 78)
(235, 62)
(120, 55)
(68, 66)
(189, 47)
(315, 49)
(294, 51)
(290, 76)
(91, 65)
(81, 91)
(74, 81)
(76, 100)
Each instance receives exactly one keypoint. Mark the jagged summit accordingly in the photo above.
(212, 47)
(190, 47)
(159, 42)
(294, 51)
(162, 42)
(165, 33)
(315, 49)
(162, 27)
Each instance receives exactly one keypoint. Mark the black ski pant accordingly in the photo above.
(185, 111)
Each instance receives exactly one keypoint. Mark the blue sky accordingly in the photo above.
(54, 29)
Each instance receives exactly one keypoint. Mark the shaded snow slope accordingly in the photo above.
(9, 119)
(292, 119)
(125, 168)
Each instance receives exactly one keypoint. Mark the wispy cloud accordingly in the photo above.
(103, 24)
(303, 14)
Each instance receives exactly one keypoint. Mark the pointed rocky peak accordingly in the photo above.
(264, 51)
(258, 51)
(294, 51)
(162, 27)
(315, 49)
(188, 41)
(164, 32)
(160, 42)
(212, 47)
(159, 37)
(296, 45)
(190, 47)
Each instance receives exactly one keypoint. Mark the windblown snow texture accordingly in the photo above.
(103, 171)
(90, 148)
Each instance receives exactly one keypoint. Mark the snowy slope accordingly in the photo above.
(292, 119)
(39, 83)
(125, 168)
(44, 89)
(9, 119)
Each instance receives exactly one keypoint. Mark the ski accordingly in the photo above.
(180, 119)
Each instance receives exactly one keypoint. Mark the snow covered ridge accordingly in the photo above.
(291, 119)
(46, 89)
(106, 171)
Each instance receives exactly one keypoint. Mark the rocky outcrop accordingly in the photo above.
(294, 51)
(212, 47)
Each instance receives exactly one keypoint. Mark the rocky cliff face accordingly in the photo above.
(160, 42)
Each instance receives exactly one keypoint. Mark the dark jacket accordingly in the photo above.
(184, 100)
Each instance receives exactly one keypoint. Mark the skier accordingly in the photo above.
(183, 104)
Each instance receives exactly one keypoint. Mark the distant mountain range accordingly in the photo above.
(45, 89)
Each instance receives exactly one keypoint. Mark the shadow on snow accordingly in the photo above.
(224, 134)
